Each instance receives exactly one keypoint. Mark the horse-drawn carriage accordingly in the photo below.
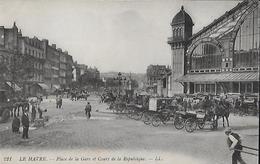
(79, 96)
(160, 110)
(193, 119)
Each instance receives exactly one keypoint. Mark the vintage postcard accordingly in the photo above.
(129, 81)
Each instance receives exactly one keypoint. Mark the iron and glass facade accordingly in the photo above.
(223, 57)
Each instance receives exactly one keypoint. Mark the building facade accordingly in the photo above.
(222, 57)
(69, 68)
(36, 49)
(62, 67)
(155, 73)
(79, 69)
(51, 67)
(155, 78)
(8, 49)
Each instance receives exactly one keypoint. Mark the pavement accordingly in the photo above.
(114, 138)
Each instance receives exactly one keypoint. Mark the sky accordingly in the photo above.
(112, 35)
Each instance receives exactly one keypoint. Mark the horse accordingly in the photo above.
(222, 110)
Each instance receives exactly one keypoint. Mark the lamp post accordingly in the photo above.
(120, 79)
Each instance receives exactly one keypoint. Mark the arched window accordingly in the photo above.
(177, 32)
(205, 56)
(174, 32)
(247, 42)
(180, 32)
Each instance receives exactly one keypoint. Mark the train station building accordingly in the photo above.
(222, 57)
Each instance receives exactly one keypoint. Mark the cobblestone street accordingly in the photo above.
(106, 132)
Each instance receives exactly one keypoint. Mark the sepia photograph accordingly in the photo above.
(129, 81)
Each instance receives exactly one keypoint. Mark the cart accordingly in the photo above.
(154, 112)
(199, 119)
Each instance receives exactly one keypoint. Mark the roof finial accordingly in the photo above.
(14, 26)
(182, 8)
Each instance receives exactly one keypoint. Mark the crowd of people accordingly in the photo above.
(27, 106)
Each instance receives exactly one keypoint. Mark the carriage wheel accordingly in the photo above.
(156, 121)
(147, 119)
(129, 113)
(190, 125)
(138, 115)
(165, 119)
(201, 125)
(178, 123)
(134, 115)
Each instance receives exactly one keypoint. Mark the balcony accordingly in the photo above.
(175, 39)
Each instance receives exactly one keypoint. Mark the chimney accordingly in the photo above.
(45, 41)
(53, 46)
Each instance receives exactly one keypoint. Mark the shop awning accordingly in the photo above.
(16, 87)
(43, 86)
(221, 77)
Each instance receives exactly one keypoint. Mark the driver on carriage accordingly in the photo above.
(222, 103)
(208, 107)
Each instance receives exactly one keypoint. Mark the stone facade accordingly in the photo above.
(36, 49)
(155, 73)
(51, 66)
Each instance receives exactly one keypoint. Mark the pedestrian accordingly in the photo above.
(40, 112)
(33, 115)
(60, 101)
(88, 110)
(25, 123)
(234, 144)
(16, 124)
(57, 101)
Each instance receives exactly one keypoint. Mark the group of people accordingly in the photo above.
(25, 120)
(78, 94)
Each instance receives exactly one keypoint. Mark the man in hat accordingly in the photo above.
(207, 104)
(25, 123)
(234, 143)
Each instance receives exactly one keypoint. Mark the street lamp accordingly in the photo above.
(120, 79)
